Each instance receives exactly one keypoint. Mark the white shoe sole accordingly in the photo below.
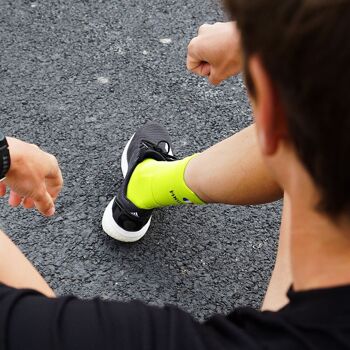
(108, 223)
(115, 231)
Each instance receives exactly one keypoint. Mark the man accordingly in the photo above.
(294, 56)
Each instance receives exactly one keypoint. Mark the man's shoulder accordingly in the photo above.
(317, 318)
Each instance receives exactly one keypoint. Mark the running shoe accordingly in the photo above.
(122, 220)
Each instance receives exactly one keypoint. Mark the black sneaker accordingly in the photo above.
(122, 220)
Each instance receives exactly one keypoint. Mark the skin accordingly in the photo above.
(215, 52)
(240, 177)
(319, 246)
(16, 271)
(34, 178)
(313, 249)
(243, 176)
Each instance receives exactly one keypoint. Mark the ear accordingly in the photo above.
(269, 115)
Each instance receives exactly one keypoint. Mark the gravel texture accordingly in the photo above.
(77, 78)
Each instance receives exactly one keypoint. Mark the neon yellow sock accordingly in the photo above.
(156, 184)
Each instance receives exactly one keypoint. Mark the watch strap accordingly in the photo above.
(5, 160)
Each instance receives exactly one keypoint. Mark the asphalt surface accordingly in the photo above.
(77, 78)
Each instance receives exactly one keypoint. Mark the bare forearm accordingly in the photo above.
(233, 172)
(16, 271)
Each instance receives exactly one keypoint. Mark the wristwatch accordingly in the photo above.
(5, 160)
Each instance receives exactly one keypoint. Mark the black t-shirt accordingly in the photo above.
(318, 319)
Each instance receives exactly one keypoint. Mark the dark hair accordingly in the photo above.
(305, 48)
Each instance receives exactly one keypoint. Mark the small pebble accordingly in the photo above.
(103, 80)
(165, 41)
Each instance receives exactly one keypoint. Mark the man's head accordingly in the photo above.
(299, 51)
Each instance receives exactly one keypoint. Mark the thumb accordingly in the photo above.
(43, 202)
(205, 69)
(214, 77)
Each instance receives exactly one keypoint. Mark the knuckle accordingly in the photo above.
(214, 80)
(54, 166)
(189, 64)
(53, 159)
(39, 194)
(44, 206)
(204, 26)
(191, 44)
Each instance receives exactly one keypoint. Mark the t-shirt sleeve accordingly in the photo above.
(29, 320)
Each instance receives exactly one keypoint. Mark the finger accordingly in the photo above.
(196, 59)
(2, 189)
(14, 199)
(203, 28)
(193, 58)
(54, 183)
(214, 78)
(43, 202)
(198, 66)
(192, 64)
(28, 203)
(205, 69)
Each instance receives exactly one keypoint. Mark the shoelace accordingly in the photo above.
(157, 148)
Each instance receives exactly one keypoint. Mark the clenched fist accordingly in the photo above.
(215, 52)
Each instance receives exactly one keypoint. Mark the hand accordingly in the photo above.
(34, 177)
(215, 52)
